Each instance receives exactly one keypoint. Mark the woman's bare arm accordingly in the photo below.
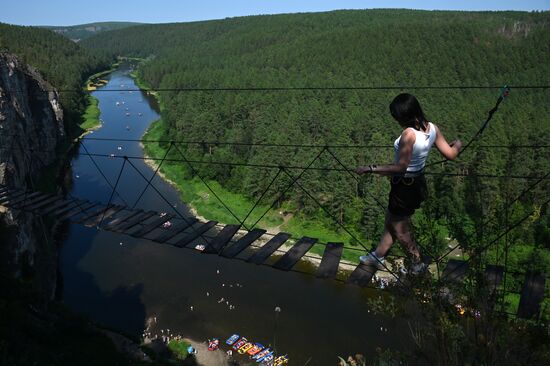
(449, 151)
(405, 155)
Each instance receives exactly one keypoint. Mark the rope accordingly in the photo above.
(341, 225)
(101, 172)
(112, 192)
(490, 220)
(153, 177)
(288, 187)
(166, 200)
(377, 201)
(297, 167)
(263, 194)
(482, 249)
(209, 188)
(504, 92)
(298, 88)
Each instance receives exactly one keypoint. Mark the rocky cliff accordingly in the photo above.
(31, 127)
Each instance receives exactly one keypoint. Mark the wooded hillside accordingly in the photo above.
(395, 48)
(63, 63)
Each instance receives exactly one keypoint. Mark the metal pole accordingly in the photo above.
(277, 311)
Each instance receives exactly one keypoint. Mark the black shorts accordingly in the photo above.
(406, 195)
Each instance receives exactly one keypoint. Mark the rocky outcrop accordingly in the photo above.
(31, 127)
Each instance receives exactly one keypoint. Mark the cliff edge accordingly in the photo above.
(31, 128)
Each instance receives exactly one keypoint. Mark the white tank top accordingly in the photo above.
(421, 149)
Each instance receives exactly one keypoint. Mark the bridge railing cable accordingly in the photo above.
(507, 206)
(101, 172)
(159, 165)
(287, 88)
(291, 167)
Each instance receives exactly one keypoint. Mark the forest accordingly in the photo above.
(256, 100)
(471, 200)
(63, 63)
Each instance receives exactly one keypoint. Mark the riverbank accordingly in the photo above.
(204, 204)
(190, 191)
(90, 117)
(94, 81)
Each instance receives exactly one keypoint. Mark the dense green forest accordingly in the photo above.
(396, 48)
(83, 31)
(63, 63)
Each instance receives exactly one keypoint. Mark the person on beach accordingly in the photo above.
(408, 185)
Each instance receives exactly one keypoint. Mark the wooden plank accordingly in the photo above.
(269, 248)
(75, 211)
(455, 270)
(22, 199)
(532, 295)
(42, 203)
(195, 233)
(362, 275)
(147, 228)
(331, 259)
(128, 224)
(494, 275)
(241, 244)
(11, 196)
(38, 199)
(7, 191)
(55, 206)
(118, 220)
(174, 230)
(220, 241)
(74, 205)
(96, 211)
(295, 253)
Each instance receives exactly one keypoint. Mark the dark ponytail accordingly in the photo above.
(407, 111)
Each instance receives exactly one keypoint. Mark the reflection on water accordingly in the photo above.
(121, 281)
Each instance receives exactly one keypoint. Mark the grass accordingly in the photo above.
(179, 348)
(91, 114)
(195, 193)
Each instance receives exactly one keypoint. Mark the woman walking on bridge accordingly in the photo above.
(408, 186)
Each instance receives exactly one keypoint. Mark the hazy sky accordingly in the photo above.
(69, 12)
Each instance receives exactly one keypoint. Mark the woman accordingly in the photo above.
(408, 186)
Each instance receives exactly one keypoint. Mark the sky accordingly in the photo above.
(71, 12)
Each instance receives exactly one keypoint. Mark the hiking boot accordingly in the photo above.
(372, 260)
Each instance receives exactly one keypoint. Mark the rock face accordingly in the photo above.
(31, 127)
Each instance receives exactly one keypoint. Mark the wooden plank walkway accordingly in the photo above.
(269, 248)
(242, 243)
(183, 231)
(151, 226)
(532, 295)
(195, 233)
(331, 259)
(493, 275)
(455, 270)
(362, 275)
(130, 223)
(166, 235)
(221, 240)
(290, 258)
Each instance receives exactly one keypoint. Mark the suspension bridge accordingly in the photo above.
(255, 245)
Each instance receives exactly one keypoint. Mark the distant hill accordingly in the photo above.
(83, 31)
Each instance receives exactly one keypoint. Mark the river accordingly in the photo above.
(120, 281)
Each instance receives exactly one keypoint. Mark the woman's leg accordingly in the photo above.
(400, 229)
(387, 239)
